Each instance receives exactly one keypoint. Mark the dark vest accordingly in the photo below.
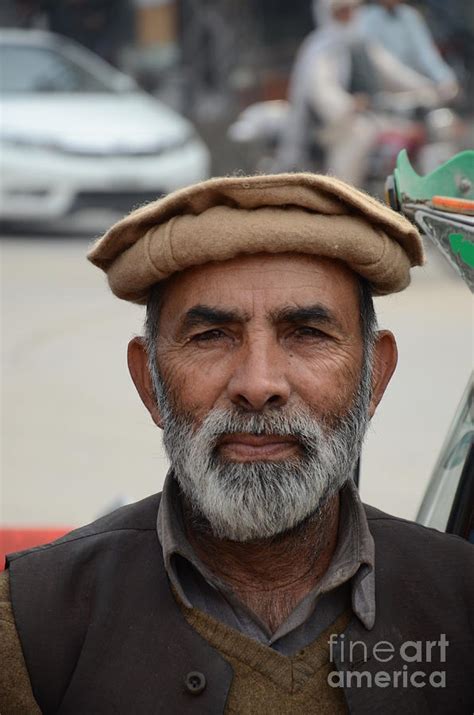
(102, 633)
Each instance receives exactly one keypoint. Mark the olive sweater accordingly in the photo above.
(16, 697)
(266, 682)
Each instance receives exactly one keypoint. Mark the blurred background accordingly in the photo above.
(106, 104)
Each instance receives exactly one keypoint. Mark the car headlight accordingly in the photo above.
(21, 142)
(120, 149)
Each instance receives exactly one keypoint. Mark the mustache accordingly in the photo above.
(300, 424)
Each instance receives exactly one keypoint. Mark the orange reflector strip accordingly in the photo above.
(446, 203)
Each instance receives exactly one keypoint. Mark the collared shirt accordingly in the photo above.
(348, 582)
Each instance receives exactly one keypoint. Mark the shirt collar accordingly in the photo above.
(353, 559)
(174, 542)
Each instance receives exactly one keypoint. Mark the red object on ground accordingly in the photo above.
(18, 539)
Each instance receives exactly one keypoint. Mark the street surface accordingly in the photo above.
(76, 440)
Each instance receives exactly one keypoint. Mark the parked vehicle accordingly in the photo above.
(441, 204)
(448, 504)
(77, 135)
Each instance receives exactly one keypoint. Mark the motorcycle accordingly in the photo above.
(430, 136)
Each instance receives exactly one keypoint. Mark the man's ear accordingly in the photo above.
(384, 363)
(138, 366)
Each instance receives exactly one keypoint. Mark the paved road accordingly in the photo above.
(76, 439)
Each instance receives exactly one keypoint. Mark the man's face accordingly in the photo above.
(344, 14)
(260, 395)
(261, 332)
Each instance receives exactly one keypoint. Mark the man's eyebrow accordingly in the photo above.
(208, 315)
(316, 313)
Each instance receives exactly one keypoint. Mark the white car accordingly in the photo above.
(76, 135)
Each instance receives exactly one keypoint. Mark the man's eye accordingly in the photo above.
(209, 335)
(307, 331)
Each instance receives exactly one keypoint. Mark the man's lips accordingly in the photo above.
(250, 447)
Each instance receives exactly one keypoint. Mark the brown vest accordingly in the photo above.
(102, 633)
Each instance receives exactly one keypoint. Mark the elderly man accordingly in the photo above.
(257, 582)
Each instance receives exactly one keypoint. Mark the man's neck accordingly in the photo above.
(273, 575)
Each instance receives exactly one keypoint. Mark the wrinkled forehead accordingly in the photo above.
(261, 285)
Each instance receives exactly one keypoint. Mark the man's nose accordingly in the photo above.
(259, 379)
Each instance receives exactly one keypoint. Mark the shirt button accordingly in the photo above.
(195, 682)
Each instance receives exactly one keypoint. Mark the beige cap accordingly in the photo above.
(222, 218)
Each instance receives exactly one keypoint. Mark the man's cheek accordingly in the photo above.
(328, 389)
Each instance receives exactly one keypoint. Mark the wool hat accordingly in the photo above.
(221, 218)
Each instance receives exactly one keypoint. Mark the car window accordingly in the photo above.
(40, 69)
(436, 508)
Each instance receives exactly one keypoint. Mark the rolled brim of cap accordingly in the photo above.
(220, 219)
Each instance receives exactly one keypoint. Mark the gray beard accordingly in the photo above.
(259, 500)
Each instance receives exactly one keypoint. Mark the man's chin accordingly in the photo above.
(249, 531)
(281, 533)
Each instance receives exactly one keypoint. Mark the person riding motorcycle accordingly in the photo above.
(402, 30)
(339, 88)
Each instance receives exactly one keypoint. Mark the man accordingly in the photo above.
(402, 30)
(257, 582)
(342, 89)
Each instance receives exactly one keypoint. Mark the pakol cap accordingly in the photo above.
(222, 218)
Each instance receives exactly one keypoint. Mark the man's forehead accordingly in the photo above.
(263, 283)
